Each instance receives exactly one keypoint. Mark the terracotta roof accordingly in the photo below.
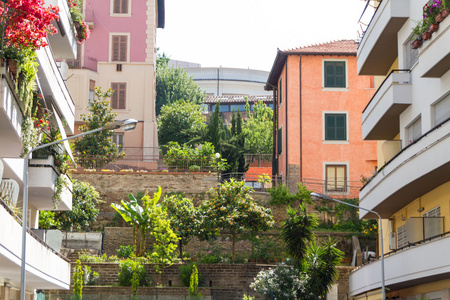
(237, 99)
(341, 47)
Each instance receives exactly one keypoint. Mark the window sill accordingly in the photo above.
(336, 142)
(326, 89)
(127, 15)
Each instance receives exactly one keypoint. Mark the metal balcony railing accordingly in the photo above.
(83, 62)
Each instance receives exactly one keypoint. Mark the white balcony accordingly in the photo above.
(378, 48)
(406, 268)
(45, 269)
(417, 169)
(54, 88)
(64, 43)
(434, 55)
(41, 186)
(380, 120)
(10, 121)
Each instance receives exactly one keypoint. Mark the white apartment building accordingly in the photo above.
(409, 116)
(45, 267)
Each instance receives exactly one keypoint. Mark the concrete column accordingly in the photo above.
(445, 294)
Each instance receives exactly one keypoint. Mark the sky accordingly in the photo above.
(246, 33)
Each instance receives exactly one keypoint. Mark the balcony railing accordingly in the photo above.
(83, 62)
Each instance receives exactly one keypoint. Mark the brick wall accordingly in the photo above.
(114, 187)
(222, 281)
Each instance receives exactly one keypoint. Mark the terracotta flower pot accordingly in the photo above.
(426, 36)
(444, 13)
(417, 43)
(433, 27)
(439, 18)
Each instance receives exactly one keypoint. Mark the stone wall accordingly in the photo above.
(221, 281)
(113, 187)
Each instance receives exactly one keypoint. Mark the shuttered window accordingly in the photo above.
(336, 178)
(280, 140)
(280, 93)
(335, 127)
(119, 47)
(335, 74)
(119, 97)
(120, 7)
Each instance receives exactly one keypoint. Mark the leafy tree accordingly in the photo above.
(178, 120)
(84, 210)
(173, 84)
(233, 147)
(98, 144)
(232, 208)
(184, 218)
(297, 232)
(258, 129)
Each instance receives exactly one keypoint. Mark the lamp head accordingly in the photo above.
(125, 125)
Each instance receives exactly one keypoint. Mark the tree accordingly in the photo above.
(258, 129)
(173, 84)
(84, 208)
(177, 121)
(99, 144)
(232, 208)
(184, 218)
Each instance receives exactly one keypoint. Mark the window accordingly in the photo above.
(119, 48)
(402, 237)
(335, 127)
(414, 131)
(236, 107)
(118, 98)
(120, 7)
(442, 110)
(412, 55)
(280, 141)
(435, 212)
(334, 74)
(336, 178)
(91, 89)
(118, 140)
(280, 93)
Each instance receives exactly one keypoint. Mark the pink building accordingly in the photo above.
(121, 54)
(317, 118)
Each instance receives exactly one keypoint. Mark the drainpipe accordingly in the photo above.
(300, 117)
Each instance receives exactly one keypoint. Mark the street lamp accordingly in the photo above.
(126, 125)
(325, 197)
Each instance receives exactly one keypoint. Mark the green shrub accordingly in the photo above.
(89, 277)
(194, 294)
(126, 251)
(130, 267)
(194, 168)
(185, 274)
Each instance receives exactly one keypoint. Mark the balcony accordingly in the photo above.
(378, 48)
(380, 120)
(54, 88)
(45, 268)
(64, 43)
(421, 263)
(42, 185)
(417, 169)
(10, 119)
(434, 55)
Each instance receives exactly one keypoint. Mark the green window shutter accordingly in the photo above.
(335, 127)
(335, 76)
(280, 141)
(280, 94)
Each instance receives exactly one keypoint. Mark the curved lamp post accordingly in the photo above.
(126, 125)
(325, 197)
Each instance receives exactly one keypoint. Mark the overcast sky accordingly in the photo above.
(247, 33)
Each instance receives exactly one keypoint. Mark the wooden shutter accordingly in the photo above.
(335, 76)
(119, 48)
(120, 7)
(280, 141)
(336, 178)
(118, 98)
(335, 127)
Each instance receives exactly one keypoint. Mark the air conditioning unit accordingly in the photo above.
(392, 241)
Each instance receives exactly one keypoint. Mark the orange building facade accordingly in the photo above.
(317, 119)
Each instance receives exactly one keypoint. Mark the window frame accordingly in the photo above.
(116, 137)
(113, 14)
(346, 189)
(411, 139)
(111, 52)
(340, 89)
(118, 96)
(280, 91)
(280, 140)
(324, 140)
